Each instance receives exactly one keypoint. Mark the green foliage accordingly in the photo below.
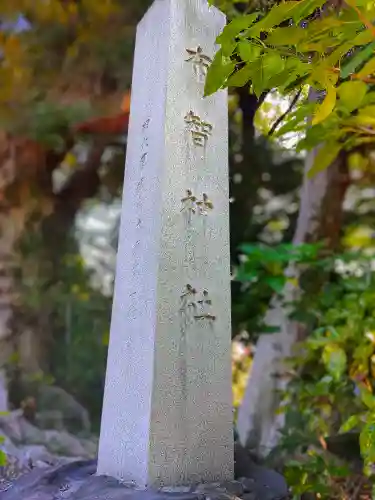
(334, 371)
(307, 43)
(76, 315)
(331, 394)
(262, 274)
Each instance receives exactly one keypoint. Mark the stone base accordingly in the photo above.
(77, 481)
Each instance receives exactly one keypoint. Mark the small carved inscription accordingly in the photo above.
(192, 205)
(199, 129)
(133, 310)
(198, 304)
(205, 305)
(189, 202)
(200, 62)
(204, 205)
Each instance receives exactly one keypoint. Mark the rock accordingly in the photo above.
(50, 420)
(91, 447)
(63, 443)
(77, 481)
(19, 430)
(248, 484)
(33, 453)
(106, 488)
(75, 417)
(48, 483)
(250, 496)
(31, 434)
(234, 487)
(10, 426)
(8, 446)
(266, 483)
(207, 487)
(176, 489)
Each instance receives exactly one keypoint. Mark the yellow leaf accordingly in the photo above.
(70, 160)
(326, 107)
(368, 69)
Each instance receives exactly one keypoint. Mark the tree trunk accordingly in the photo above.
(320, 218)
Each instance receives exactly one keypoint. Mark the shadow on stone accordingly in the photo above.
(77, 481)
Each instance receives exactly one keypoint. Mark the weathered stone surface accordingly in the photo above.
(77, 481)
(234, 487)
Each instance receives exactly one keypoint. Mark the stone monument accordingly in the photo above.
(167, 412)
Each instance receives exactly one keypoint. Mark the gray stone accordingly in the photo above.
(3, 391)
(34, 453)
(248, 484)
(205, 487)
(7, 445)
(50, 420)
(10, 426)
(270, 483)
(219, 495)
(250, 496)
(75, 417)
(167, 410)
(175, 489)
(234, 487)
(77, 481)
(90, 446)
(19, 430)
(63, 443)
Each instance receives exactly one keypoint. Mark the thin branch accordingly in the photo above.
(284, 115)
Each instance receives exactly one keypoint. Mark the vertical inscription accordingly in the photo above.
(195, 306)
(200, 63)
(138, 206)
(200, 130)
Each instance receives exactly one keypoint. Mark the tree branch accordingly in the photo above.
(284, 115)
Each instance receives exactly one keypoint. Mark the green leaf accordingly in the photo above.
(217, 74)
(306, 8)
(351, 94)
(235, 27)
(367, 442)
(326, 107)
(248, 51)
(334, 358)
(279, 13)
(350, 424)
(325, 156)
(273, 64)
(368, 399)
(241, 77)
(286, 36)
(357, 60)
(257, 78)
(3, 458)
(276, 283)
(363, 38)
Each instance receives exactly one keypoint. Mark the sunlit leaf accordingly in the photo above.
(326, 107)
(350, 424)
(351, 94)
(217, 73)
(248, 52)
(334, 358)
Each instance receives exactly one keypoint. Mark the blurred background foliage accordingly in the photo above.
(64, 105)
